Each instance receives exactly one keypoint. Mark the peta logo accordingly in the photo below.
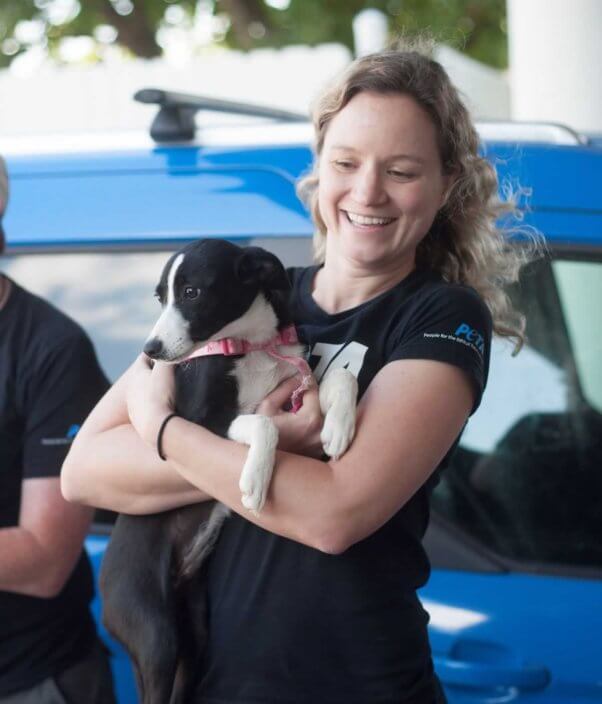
(471, 335)
(66, 440)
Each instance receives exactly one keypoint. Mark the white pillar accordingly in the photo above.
(555, 51)
(370, 31)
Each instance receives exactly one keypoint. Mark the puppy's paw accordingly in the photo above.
(253, 488)
(338, 430)
(260, 433)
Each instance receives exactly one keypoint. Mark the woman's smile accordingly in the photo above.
(367, 222)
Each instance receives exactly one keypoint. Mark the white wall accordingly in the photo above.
(485, 89)
(555, 61)
(99, 97)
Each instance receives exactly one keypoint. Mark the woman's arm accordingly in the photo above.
(110, 466)
(407, 421)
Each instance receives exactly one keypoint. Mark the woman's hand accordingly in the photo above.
(297, 432)
(150, 396)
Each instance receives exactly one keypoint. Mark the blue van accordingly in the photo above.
(515, 596)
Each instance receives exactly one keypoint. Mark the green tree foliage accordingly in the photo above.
(476, 27)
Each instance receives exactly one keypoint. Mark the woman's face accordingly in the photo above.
(381, 181)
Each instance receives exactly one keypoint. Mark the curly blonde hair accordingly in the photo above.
(464, 244)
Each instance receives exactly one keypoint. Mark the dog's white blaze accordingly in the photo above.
(171, 277)
(171, 327)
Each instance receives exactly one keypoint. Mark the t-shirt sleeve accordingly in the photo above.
(62, 389)
(453, 325)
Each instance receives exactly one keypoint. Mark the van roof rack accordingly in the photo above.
(174, 122)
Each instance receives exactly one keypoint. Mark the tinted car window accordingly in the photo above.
(526, 479)
(112, 294)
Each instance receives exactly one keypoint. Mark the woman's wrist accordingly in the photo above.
(160, 433)
(150, 428)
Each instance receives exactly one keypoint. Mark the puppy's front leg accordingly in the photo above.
(261, 435)
(338, 398)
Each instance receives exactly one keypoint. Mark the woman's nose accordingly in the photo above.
(368, 188)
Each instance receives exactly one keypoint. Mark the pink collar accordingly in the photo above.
(229, 346)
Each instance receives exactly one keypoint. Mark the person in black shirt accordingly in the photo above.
(314, 599)
(49, 381)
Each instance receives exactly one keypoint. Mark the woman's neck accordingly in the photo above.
(339, 287)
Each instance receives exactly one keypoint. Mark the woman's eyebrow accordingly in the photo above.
(395, 157)
(407, 157)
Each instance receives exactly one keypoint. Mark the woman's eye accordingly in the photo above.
(343, 165)
(404, 175)
(190, 293)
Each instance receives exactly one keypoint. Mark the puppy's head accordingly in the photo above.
(207, 290)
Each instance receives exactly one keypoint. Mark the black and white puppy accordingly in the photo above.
(152, 581)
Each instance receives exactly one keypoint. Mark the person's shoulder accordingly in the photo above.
(46, 322)
(440, 295)
(297, 274)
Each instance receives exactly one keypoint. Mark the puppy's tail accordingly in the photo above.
(203, 542)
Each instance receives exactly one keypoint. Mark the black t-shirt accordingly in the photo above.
(49, 382)
(291, 625)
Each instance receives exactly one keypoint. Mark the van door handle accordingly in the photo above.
(474, 673)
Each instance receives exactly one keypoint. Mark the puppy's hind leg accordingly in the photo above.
(139, 605)
(338, 398)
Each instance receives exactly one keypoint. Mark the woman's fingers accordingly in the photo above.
(150, 396)
(273, 403)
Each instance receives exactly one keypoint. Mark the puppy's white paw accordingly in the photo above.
(338, 430)
(260, 433)
(253, 485)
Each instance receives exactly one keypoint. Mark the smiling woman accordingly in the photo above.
(313, 599)
(425, 163)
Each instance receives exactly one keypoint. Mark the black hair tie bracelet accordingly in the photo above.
(160, 435)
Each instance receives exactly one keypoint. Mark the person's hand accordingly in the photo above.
(150, 396)
(297, 432)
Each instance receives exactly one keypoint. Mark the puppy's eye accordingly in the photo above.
(190, 293)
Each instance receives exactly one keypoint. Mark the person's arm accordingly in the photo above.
(39, 554)
(110, 466)
(54, 387)
(407, 421)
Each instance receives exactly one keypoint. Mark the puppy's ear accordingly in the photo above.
(258, 266)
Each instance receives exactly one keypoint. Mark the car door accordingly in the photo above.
(515, 596)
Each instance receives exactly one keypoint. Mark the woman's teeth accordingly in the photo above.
(357, 219)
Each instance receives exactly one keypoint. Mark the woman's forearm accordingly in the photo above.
(302, 493)
(332, 505)
(115, 469)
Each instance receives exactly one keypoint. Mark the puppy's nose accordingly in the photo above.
(153, 347)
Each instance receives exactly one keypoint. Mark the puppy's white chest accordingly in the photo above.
(257, 374)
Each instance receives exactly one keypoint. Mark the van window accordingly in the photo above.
(111, 294)
(526, 480)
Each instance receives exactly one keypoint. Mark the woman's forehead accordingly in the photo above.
(393, 122)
